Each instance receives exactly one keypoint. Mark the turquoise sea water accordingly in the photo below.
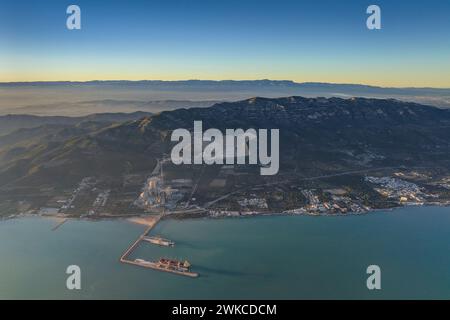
(272, 257)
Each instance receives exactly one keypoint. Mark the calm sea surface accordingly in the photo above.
(292, 257)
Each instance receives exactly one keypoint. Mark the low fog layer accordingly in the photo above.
(83, 98)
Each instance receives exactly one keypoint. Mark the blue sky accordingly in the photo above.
(166, 39)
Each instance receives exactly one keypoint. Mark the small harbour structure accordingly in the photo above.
(159, 241)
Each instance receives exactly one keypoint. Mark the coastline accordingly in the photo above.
(150, 220)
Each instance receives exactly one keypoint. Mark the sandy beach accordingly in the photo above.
(146, 221)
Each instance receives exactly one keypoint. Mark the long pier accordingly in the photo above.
(59, 224)
(123, 257)
(150, 264)
(157, 266)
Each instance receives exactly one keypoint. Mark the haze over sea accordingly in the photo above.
(277, 257)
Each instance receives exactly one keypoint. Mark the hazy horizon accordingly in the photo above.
(216, 81)
(83, 98)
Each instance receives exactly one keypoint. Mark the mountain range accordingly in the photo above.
(317, 136)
